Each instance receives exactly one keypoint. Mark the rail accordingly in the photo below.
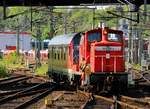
(11, 97)
(66, 99)
(10, 78)
(121, 101)
(12, 81)
(35, 99)
(142, 76)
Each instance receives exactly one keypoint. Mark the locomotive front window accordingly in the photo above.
(114, 37)
(94, 37)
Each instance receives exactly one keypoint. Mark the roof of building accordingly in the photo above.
(62, 39)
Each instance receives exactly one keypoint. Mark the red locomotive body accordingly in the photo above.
(103, 50)
(107, 55)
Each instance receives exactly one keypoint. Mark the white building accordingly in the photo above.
(8, 40)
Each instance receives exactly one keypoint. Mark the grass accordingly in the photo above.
(135, 66)
(42, 70)
(3, 71)
(10, 61)
(13, 60)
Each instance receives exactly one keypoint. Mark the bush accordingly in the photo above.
(3, 71)
(12, 60)
(137, 66)
(42, 70)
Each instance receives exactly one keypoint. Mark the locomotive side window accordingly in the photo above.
(114, 37)
(82, 39)
(76, 42)
(94, 37)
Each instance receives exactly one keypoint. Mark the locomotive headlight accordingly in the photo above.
(108, 48)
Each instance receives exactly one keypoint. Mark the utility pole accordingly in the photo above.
(145, 11)
(18, 42)
(37, 48)
(51, 23)
(18, 39)
(130, 40)
(135, 46)
(120, 10)
(140, 35)
(140, 46)
(65, 24)
(93, 26)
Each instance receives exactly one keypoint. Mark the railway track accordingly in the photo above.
(120, 102)
(133, 103)
(97, 102)
(25, 94)
(64, 100)
(26, 97)
(9, 78)
(141, 77)
(13, 80)
(20, 91)
(14, 84)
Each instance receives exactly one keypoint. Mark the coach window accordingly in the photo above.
(58, 56)
(64, 53)
(94, 37)
(49, 55)
(55, 56)
(114, 37)
(61, 53)
(52, 52)
(64, 56)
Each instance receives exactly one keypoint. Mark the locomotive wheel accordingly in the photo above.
(115, 87)
(98, 87)
(110, 86)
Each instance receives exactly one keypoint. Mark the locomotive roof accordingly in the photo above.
(62, 39)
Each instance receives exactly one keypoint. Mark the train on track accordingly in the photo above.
(103, 50)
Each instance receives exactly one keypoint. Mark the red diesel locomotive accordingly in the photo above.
(103, 50)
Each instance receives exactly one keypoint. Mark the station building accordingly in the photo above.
(8, 41)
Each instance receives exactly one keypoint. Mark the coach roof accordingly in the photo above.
(62, 39)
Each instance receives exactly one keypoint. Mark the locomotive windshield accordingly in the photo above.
(114, 37)
(94, 37)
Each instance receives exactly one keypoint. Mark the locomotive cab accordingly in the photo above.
(109, 52)
(103, 50)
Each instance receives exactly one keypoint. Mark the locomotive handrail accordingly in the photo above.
(115, 64)
(102, 64)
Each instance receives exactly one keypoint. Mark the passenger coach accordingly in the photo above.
(103, 50)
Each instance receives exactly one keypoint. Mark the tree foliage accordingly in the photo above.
(51, 21)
